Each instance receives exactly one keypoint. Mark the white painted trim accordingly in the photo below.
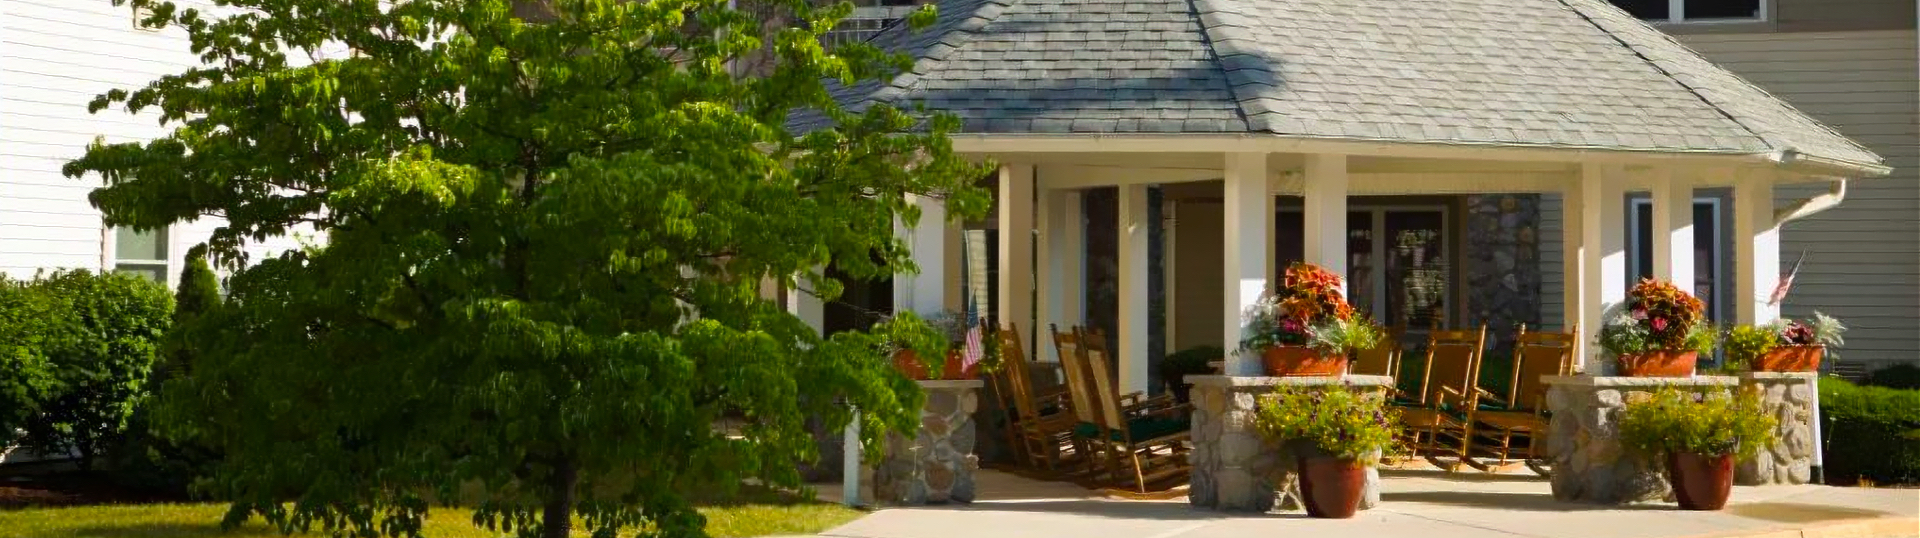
(1720, 261)
(1677, 15)
(1325, 219)
(1603, 279)
(1247, 235)
(1267, 144)
(1672, 206)
(1756, 252)
(1015, 201)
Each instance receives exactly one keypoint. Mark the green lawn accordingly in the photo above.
(203, 520)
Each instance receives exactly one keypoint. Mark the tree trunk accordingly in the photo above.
(557, 522)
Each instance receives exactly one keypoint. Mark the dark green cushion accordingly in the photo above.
(1139, 428)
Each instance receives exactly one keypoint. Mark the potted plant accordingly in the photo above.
(1659, 331)
(1784, 345)
(1334, 434)
(1698, 437)
(949, 331)
(1175, 368)
(1286, 324)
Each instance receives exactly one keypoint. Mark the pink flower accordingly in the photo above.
(1659, 324)
(1640, 313)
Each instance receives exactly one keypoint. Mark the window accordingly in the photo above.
(1706, 249)
(141, 253)
(1695, 10)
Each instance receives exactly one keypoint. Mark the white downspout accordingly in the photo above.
(1836, 193)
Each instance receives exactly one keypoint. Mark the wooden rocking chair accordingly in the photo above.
(1440, 423)
(1146, 439)
(1521, 413)
(1381, 360)
(1042, 421)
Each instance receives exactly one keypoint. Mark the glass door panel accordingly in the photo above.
(1417, 270)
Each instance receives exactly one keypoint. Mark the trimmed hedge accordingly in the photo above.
(1870, 432)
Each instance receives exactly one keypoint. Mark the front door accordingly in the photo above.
(1397, 263)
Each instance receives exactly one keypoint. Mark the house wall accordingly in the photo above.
(55, 56)
(1863, 257)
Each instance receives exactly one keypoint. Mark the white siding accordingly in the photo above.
(55, 56)
(1863, 262)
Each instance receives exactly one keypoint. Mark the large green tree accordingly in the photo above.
(545, 226)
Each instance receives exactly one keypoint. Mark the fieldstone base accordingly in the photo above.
(1589, 465)
(936, 466)
(1234, 468)
(1789, 397)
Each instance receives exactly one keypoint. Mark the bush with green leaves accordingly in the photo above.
(1870, 432)
(1334, 420)
(26, 322)
(1711, 423)
(1191, 361)
(103, 336)
(145, 458)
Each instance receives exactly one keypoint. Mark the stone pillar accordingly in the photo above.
(1235, 469)
(1788, 396)
(1589, 465)
(937, 464)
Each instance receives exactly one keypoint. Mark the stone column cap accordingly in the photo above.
(951, 383)
(1807, 376)
(1268, 381)
(1623, 381)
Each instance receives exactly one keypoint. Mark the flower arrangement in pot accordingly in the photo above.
(944, 332)
(1784, 345)
(1335, 434)
(1660, 331)
(1306, 327)
(1698, 437)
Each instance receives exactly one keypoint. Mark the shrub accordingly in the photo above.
(25, 377)
(102, 336)
(1333, 420)
(1709, 424)
(1870, 432)
(1898, 376)
(146, 458)
(1190, 361)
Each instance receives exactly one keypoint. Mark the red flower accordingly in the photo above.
(1659, 324)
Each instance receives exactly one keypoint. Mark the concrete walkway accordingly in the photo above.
(1423, 504)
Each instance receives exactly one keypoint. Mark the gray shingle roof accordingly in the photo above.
(1559, 73)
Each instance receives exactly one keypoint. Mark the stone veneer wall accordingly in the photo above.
(1502, 269)
(1589, 464)
(937, 465)
(1234, 468)
(1789, 397)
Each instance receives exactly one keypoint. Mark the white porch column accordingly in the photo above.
(1131, 333)
(1603, 280)
(1015, 200)
(804, 304)
(925, 293)
(1673, 229)
(1062, 245)
(1248, 209)
(1325, 217)
(1756, 250)
(1573, 267)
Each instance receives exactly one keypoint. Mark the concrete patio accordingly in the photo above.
(1422, 503)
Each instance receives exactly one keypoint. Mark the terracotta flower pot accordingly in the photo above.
(1330, 487)
(1700, 482)
(909, 363)
(1298, 361)
(1790, 359)
(1659, 363)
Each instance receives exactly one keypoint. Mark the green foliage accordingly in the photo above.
(1745, 343)
(1336, 420)
(26, 320)
(1708, 424)
(1190, 361)
(544, 243)
(1870, 432)
(102, 338)
(1343, 336)
(1657, 316)
(1898, 376)
(145, 459)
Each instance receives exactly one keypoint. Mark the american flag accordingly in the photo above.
(975, 349)
(1786, 283)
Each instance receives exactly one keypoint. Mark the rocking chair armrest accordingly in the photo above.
(1175, 410)
(1132, 397)
(1050, 393)
(1461, 399)
(1486, 395)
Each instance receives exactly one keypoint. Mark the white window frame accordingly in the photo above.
(1720, 260)
(166, 266)
(1677, 14)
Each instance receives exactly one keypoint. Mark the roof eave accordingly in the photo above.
(1819, 165)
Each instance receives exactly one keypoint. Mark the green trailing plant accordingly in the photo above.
(1344, 336)
(1335, 420)
(546, 226)
(1713, 423)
